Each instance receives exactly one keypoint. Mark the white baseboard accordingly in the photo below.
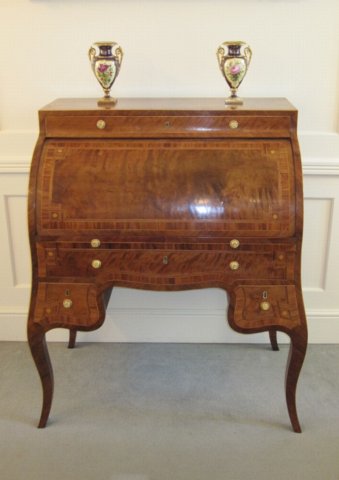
(171, 327)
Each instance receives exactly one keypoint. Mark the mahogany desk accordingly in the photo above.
(167, 194)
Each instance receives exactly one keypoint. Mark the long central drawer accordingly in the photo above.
(107, 264)
(102, 126)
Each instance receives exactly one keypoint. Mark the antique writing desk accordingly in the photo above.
(167, 194)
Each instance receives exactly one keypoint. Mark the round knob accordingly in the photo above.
(234, 265)
(234, 243)
(233, 124)
(67, 303)
(96, 263)
(165, 260)
(101, 124)
(95, 243)
(265, 306)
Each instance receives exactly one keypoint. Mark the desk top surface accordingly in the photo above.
(203, 105)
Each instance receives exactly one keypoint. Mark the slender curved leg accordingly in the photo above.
(294, 363)
(72, 338)
(273, 340)
(38, 346)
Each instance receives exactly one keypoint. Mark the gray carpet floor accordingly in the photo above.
(168, 411)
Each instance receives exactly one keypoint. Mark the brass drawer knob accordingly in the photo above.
(96, 263)
(95, 243)
(234, 243)
(265, 306)
(101, 124)
(234, 265)
(165, 260)
(67, 303)
(233, 124)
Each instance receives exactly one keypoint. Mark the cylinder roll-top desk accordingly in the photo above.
(167, 194)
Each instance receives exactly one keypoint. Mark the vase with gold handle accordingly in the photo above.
(234, 59)
(105, 58)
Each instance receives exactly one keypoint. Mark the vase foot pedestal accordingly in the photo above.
(107, 102)
(234, 101)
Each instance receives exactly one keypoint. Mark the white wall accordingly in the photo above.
(169, 48)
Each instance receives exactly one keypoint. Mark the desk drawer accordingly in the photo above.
(257, 307)
(159, 126)
(119, 265)
(68, 304)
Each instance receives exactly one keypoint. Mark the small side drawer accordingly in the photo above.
(67, 304)
(137, 126)
(257, 307)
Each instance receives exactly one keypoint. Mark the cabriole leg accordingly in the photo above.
(72, 338)
(294, 363)
(38, 346)
(273, 340)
